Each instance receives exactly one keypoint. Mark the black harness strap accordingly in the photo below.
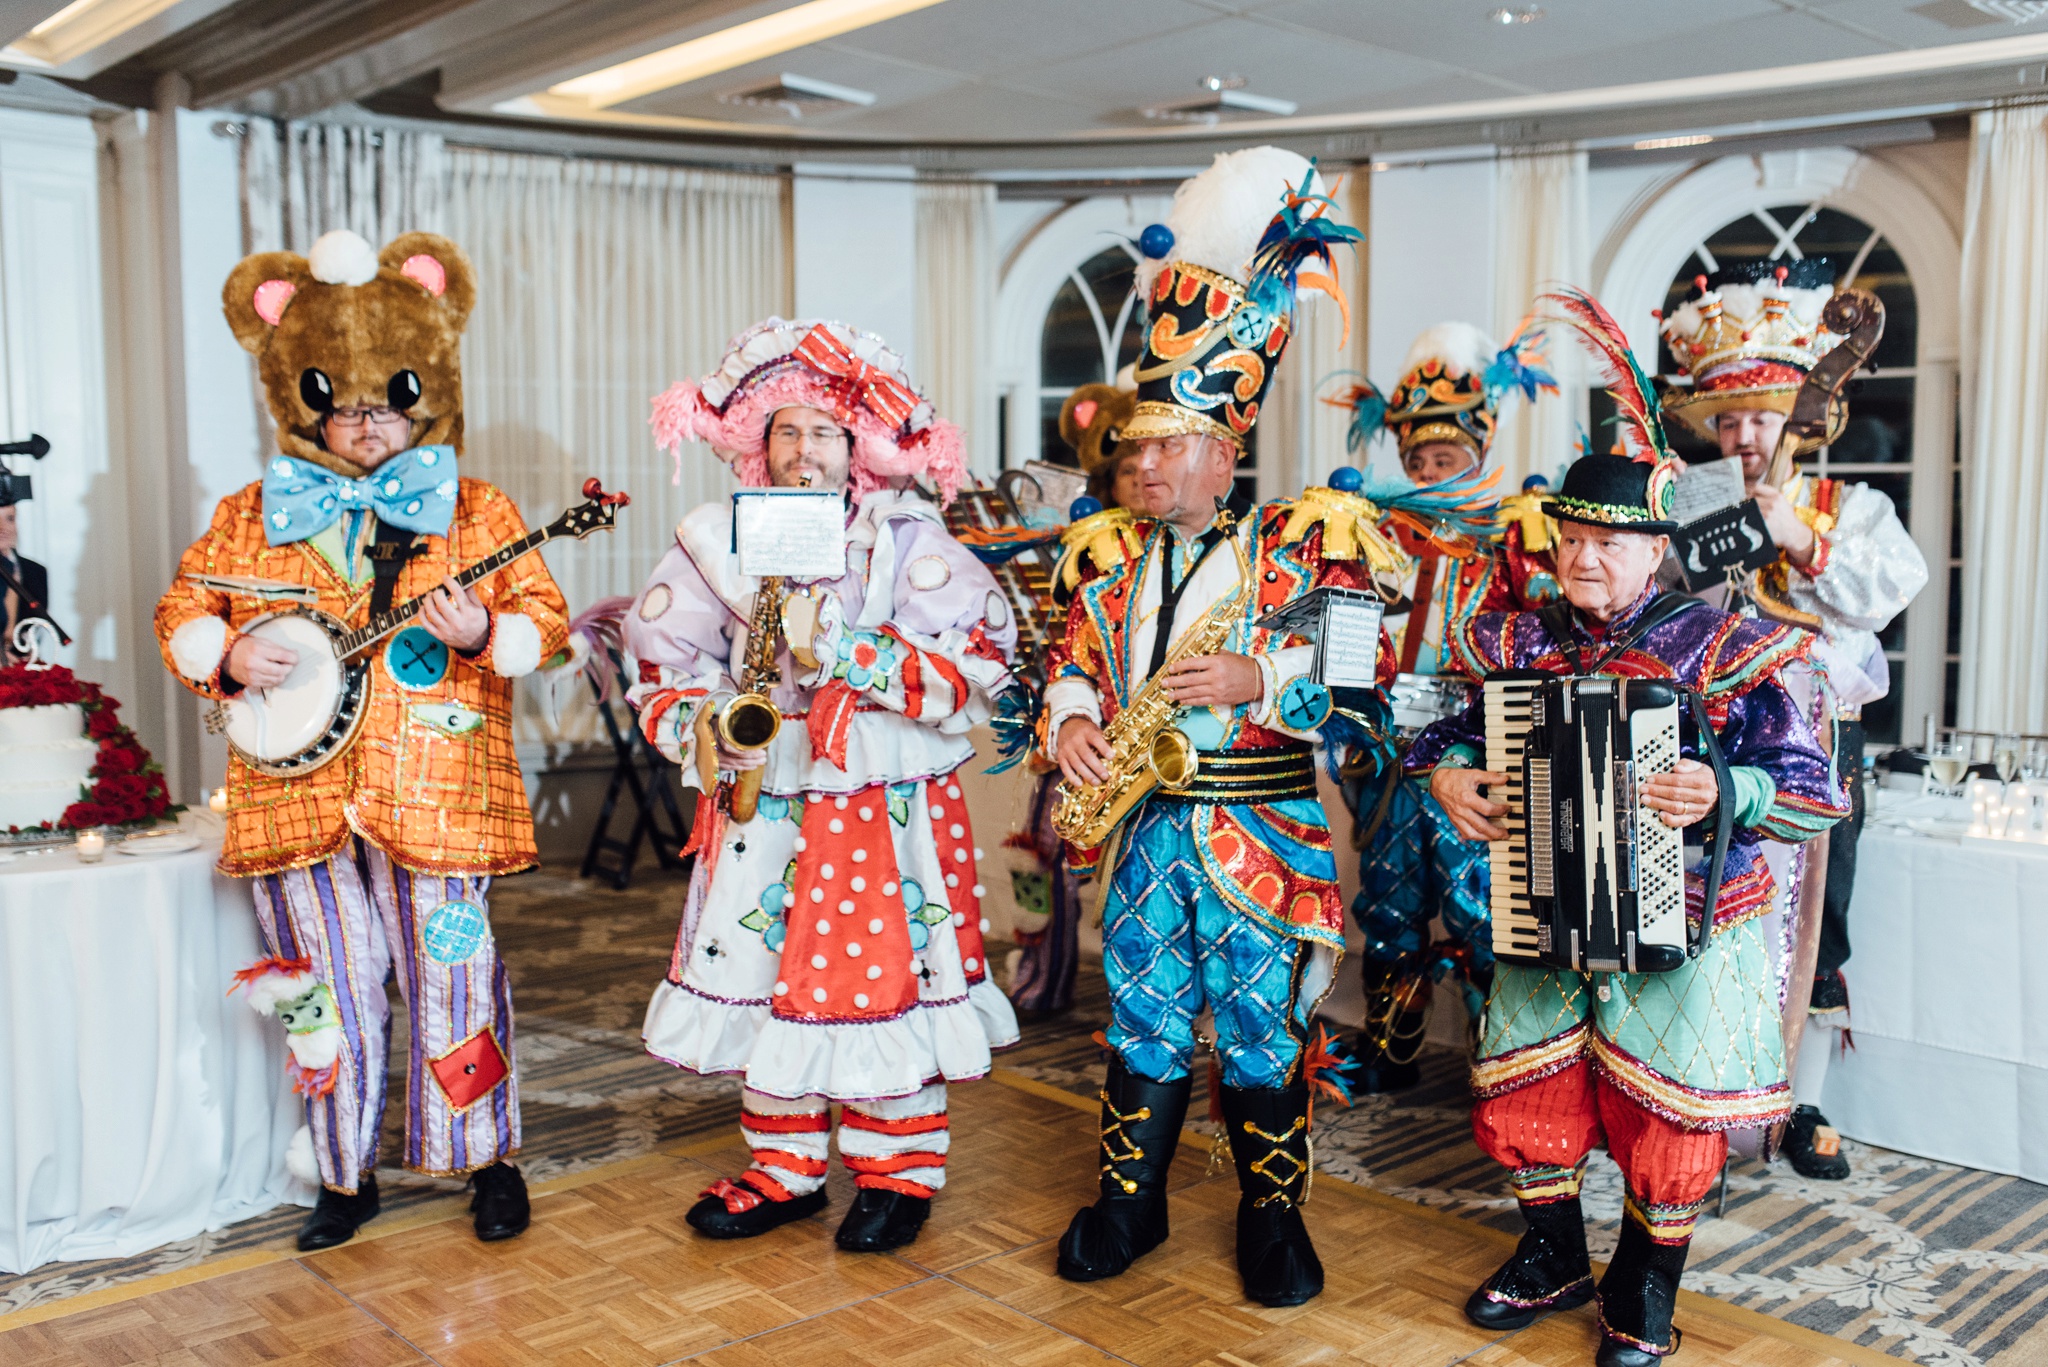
(1170, 592)
(388, 553)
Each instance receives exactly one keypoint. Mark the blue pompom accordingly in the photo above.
(1534, 482)
(1156, 241)
(1087, 505)
(1346, 479)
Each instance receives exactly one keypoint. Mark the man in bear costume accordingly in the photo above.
(382, 858)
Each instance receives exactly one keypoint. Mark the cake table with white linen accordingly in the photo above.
(139, 1103)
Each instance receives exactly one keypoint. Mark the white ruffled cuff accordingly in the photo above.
(515, 645)
(197, 647)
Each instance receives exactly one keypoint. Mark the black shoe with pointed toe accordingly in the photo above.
(338, 1214)
(715, 1217)
(880, 1220)
(1549, 1270)
(1268, 1129)
(500, 1207)
(1141, 1122)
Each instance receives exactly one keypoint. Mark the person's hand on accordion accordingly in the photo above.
(1683, 797)
(1680, 798)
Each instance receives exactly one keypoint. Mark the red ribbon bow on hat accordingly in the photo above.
(858, 382)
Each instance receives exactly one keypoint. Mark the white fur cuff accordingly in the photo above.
(196, 647)
(515, 646)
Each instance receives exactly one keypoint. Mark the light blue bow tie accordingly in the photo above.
(414, 490)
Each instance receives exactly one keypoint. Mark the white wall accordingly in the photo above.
(855, 252)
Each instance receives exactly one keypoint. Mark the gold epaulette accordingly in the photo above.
(1351, 529)
(1108, 538)
(1539, 529)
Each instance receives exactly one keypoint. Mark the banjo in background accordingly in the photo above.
(302, 723)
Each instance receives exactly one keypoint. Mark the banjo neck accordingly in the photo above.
(377, 628)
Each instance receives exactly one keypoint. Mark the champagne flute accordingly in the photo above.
(2005, 757)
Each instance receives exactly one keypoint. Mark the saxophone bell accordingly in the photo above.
(748, 722)
(1174, 759)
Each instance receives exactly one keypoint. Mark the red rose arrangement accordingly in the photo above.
(127, 784)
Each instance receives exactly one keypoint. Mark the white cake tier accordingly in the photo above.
(42, 766)
(41, 725)
(45, 758)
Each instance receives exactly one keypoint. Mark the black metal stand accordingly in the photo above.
(641, 771)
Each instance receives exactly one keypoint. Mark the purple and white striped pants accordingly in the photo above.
(356, 916)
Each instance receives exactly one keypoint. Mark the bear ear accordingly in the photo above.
(437, 266)
(257, 293)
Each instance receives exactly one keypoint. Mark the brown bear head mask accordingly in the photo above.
(347, 327)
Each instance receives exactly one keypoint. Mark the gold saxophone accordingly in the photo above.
(1149, 751)
(750, 720)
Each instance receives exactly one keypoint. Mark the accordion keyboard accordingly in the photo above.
(1517, 932)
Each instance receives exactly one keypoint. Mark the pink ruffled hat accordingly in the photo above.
(824, 365)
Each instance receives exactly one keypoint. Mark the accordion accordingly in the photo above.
(1589, 879)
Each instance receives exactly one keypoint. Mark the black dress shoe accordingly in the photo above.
(880, 1220)
(1141, 1121)
(337, 1215)
(714, 1218)
(1814, 1146)
(500, 1203)
(1268, 1128)
(1549, 1270)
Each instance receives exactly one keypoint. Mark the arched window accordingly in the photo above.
(1876, 447)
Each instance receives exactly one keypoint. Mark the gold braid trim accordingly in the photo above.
(1108, 538)
(1350, 528)
(1131, 1152)
(1539, 529)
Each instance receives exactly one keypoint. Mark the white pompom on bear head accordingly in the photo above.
(342, 258)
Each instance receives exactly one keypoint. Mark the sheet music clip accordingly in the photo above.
(1345, 626)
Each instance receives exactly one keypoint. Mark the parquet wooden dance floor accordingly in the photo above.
(609, 1274)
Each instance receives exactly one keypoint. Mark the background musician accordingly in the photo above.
(831, 947)
(32, 578)
(1846, 567)
(1654, 1066)
(1223, 895)
(384, 856)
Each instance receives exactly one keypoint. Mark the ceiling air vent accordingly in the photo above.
(1226, 99)
(796, 95)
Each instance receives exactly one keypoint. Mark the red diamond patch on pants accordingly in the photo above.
(471, 1069)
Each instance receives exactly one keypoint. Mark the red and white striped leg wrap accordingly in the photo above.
(790, 1140)
(898, 1144)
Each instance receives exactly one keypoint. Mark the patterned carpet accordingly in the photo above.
(1921, 1260)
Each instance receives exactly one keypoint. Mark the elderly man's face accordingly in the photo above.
(1604, 569)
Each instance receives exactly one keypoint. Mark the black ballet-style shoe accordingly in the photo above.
(500, 1207)
(1548, 1271)
(1637, 1297)
(338, 1214)
(1141, 1122)
(1268, 1129)
(1814, 1146)
(714, 1218)
(880, 1220)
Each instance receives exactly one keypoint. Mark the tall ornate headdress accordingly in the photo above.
(1452, 386)
(1748, 338)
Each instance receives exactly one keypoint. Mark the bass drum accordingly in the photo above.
(1419, 699)
(304, 722)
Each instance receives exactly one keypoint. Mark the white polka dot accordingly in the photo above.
(978, 854)
(953, 790)
(874, 972)
(853, 949)
(782, 989)
(971, 964)
(817, 994)
(959, 919)
(800, 844)
(888, 889)
(817, 894)
(916, 966)
(788, 900)
(860, 999)
(817, 961)
(875, 925)
(959, 856)
(867, 814)
(980, 891)
(937, 811)
(952, 880)
(859, 884)
(824, 870)
(840, 803)
(956, 830)
(846, 906)
(824, 927)
(836, 826)
(860, 856)
(984, 920)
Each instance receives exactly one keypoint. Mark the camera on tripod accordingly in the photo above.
(17, 488)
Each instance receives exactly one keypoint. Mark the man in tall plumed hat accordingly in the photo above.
(380, 860)
(831, 942)
(1464, 558)
(1655, 1066)
(1845, 569)
(1224, 892)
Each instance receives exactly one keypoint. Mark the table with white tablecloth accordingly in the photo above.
(1948, 988)
(139, 1103)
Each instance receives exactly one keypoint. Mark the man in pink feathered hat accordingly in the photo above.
(831, 943)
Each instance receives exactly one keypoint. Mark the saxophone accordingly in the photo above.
(1149, 751)
(751, 720)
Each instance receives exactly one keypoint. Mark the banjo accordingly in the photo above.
(299, 725)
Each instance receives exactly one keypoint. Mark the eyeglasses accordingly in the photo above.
(356, 417)
(818, 436)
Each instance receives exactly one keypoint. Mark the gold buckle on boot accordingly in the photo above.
(1132, 1152)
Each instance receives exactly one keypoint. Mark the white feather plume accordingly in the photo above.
(1218, 216)
(1462, 348)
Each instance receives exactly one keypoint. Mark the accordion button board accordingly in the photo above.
(1588, 879)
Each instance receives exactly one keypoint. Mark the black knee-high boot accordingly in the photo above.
(1141, 1122)
(1548, 1271)
(1397, 993)
(1268, 1129)
(1637, 1297)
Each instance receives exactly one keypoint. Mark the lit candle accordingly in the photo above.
(218, 801)
(92, 847)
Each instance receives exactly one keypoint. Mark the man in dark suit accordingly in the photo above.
(25, 589)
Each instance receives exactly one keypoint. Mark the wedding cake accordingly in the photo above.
(47, 759)
(66, 761)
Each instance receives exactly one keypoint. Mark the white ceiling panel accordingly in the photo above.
(1001, 37)
(891, 82)
(1789, 39)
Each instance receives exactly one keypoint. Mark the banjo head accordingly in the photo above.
(302, 723)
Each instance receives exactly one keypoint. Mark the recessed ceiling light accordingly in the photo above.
(792, 94)
(1227, 102)
(1527, 14)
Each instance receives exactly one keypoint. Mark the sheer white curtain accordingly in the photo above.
(2004, 683)
(300, 180)
(1540, 238)
(956, 289)
(1301, 438)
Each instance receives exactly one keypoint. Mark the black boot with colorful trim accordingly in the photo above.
(1268, 1129)
(1141, 1122)
(1640, 1289)
(753, 1205)
(1550, 1269)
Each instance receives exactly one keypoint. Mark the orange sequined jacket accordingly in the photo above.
(423, 780)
